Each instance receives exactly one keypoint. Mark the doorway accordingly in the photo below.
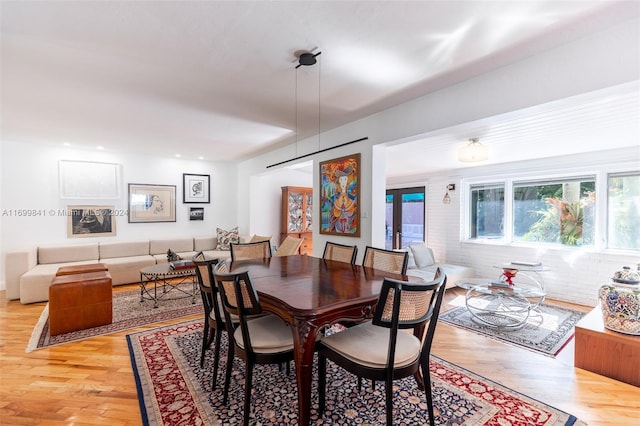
(404, 217)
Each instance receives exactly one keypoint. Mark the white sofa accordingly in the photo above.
(29, 273)
(422, 264)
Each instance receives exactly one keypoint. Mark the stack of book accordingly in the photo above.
(181, 264)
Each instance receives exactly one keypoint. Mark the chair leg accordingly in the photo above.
(247, 392)
(322, 382)
(426, 376)
(205, 339)
(359, 384)
(389, 393)
(230, 355)
(216, 359)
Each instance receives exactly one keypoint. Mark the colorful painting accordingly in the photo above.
(340, 196)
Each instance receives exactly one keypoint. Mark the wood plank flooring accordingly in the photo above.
(91, 382)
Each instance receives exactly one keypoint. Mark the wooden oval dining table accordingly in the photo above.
(309, 293)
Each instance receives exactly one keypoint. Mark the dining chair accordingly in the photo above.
(289, 246)
(257, 250)
(377, 351)
(340, 252)
(385, 260)
(265, 339)
(214, 320)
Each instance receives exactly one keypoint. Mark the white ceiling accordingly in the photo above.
(217, 79)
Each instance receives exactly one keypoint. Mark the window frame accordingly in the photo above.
(601, 175)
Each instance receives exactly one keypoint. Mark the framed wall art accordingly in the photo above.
(89, 179)
(152, 203)
(195, 188)
(340, 196)
(196, 213)
(90, 221)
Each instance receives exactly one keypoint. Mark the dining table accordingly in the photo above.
(309, 294)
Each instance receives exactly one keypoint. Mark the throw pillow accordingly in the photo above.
(422, 255)
(259, 238)
(226, 238)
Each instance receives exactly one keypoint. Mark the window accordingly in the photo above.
(557, 211)
(623, 208)
(487, 211)
(566, 211)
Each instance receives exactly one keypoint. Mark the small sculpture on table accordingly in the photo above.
(508, 274)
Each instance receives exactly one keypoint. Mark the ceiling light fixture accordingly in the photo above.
(307, 58)
(474, 151)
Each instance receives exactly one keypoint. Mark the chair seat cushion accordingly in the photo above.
(212, 314)
(368, 344)
(269, 334)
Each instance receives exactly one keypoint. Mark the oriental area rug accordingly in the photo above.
(173, 389)
(547, 330)
(128, 312)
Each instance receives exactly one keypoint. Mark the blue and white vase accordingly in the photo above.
(620, 302)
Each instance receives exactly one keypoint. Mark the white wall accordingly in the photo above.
(29, 180)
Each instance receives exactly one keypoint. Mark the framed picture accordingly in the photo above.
(340, 196)
(195, 188)
(152, 203)
(196, 213)
(90, 221)
(89, 179)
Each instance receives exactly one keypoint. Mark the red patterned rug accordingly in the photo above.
(128, 312)
(174, 390)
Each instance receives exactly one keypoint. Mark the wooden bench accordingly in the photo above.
(79, 301)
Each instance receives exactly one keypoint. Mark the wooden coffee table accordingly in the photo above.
(168, 279)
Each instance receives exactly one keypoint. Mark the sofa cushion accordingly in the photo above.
(124, 249)
(67, 253)
(454, 273)
(204, 243)
(422, 255)
(34, 284)
(226, 238)
(175, 244)
(411, 262)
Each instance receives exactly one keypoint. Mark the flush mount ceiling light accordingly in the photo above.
(474, 151)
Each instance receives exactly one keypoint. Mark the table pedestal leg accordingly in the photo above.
(304, 336)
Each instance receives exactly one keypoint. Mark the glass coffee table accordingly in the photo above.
(500, 305)
(165, 278)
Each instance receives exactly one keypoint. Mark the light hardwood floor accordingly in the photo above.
(91, 382)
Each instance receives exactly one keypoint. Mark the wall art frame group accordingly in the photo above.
(90, 221)
(340, 196)
(152, 203)
(196, 188)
